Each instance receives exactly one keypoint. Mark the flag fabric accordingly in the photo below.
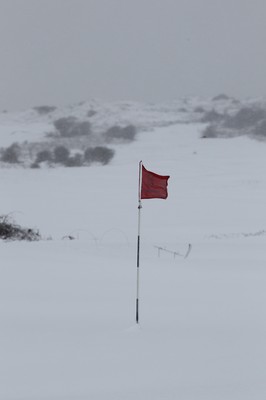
(153, 186)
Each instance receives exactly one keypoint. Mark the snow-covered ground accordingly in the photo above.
(67, 307)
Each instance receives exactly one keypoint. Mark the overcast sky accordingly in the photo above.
(57, 52)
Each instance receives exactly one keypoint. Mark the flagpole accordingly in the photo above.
(138, 242)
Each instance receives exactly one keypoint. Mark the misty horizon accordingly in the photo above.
(64, 51)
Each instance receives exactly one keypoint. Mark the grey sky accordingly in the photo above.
(64, 51)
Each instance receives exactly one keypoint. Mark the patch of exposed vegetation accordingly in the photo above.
(99, 154)
(246, 117)
(247, 120)
(220, 97)
(91, 113)
(212, 116)
(9, 230)
(62, 155)
(120, 134)
(11, 154)
(43, 110)
(72, 127)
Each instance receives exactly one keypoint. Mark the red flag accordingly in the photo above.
(153, 186)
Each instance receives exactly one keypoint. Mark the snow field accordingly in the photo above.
(67, 307)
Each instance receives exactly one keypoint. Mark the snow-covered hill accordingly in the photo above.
(67, 307)
(71, 136)
(33, 124)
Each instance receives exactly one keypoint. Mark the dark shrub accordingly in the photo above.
(81, 129)
(65, 125)
(44, 155)
(199, 109)
(91, 113)
(221, 96)
(99, 154)
(11, 154)
(35, 165)
(260, 129)
(245, 118)
(70, 126)
(129, 132)
(116, 133)
(42, 110)
(113, 132)
(212, 116)
(10, 231)
(61, 155)
(210, 132)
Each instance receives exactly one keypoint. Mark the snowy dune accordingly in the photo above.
(67, 308)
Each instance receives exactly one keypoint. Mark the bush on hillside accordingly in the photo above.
(260, 129)
(91, 113)
(117, 133)
(210, 132)
(221, 96)
(246, 117)
(11, 154)
(65, 125)
(61, 155)
(35, 165)
(44, 155)
(82, 128)
(219, 131)
(43, 110)
(212, 116)
(99, 154)
(199, 109)
(71, 127)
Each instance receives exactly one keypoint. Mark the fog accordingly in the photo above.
(63, 51)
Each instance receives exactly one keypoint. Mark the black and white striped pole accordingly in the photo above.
(138, 242)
